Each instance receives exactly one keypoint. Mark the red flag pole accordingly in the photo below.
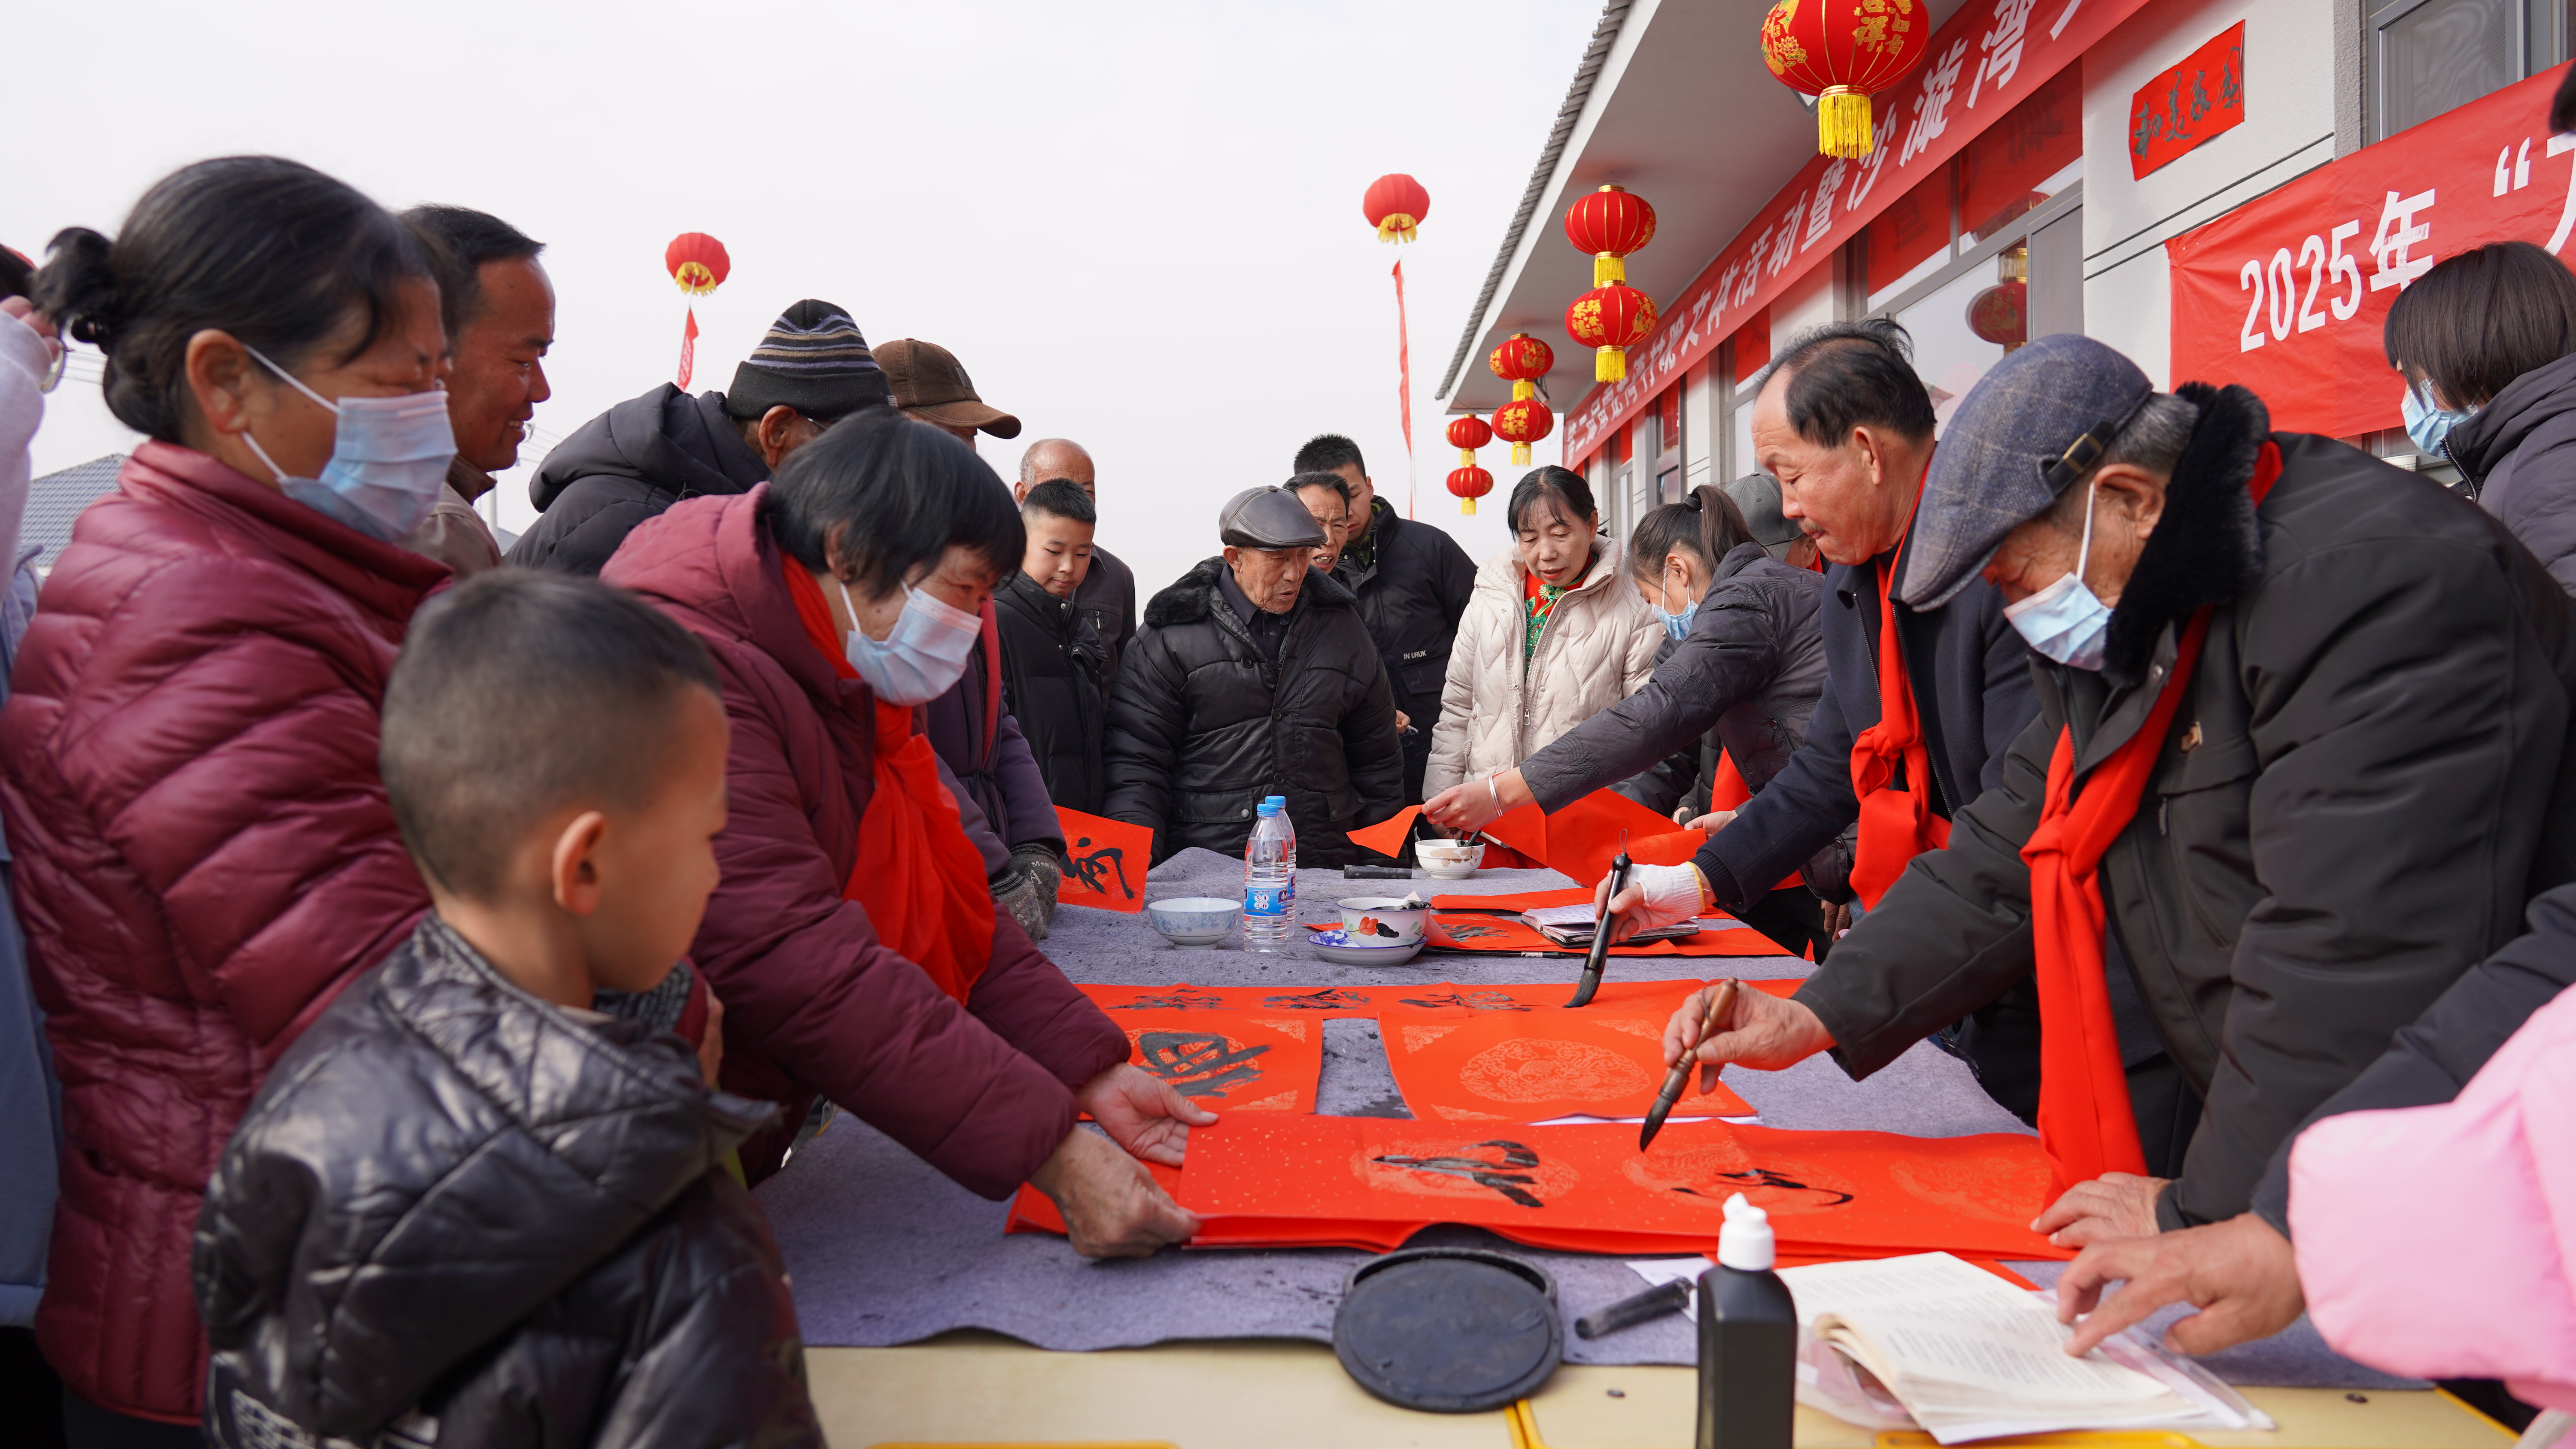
(1404, 387)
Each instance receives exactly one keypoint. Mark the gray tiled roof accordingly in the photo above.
(54, 500)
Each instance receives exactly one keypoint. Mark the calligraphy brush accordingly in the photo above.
(1720, 1002)
(1600, 953)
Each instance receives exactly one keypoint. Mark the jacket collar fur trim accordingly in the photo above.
(2207, 548)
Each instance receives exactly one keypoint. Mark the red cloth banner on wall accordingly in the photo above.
(1991, 56)
(2287, 293)
(2190, 103)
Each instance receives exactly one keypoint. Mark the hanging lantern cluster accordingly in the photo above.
(1842, 53)
(1610, 223)
(1522, 360)
(1468, 481)
(1395, 204)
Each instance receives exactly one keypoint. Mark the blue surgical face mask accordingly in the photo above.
(389, 457)
(922, 656)
(1676, 626)
(2428, 425)
(2065, 621)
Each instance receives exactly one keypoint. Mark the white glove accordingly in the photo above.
(1672, 894)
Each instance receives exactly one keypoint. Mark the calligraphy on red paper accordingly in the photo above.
(2185, 106)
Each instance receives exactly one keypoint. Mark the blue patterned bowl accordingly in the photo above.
(1194, 923)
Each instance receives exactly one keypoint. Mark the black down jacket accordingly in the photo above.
(1201, 726)
(453, 1202)
(2366, 782)
(625, 466)
(1052, 666)
(2519, 453)
(1411, 595)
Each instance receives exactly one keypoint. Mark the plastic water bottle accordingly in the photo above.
(1270, 880)
(1748, 1339)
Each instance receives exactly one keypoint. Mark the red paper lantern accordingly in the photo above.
(2001, 314)
(697, 262)
(1470, 483)
(1841, 52)
(1610, 320)
(1521, 361)
(1395, 205)
(1521, 423)
(1610, 223)
(1467, 434)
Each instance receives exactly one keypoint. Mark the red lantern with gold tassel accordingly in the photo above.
(1395, 205)
(1610, 320)
(1522, 423)
(1468, 481)
(698, 263)
(1610, 223)
(1521, 361)
(1842, 52)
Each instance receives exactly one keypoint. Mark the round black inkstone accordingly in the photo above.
(1451, 1330)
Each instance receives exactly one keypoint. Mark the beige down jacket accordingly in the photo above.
(1598, 648)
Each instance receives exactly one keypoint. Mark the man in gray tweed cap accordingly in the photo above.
(2300, 763)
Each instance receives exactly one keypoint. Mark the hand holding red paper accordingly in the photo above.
(1142, 1113)
(1110, 1206)
(1761, 1031)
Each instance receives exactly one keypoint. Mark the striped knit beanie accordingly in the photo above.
(814, 361)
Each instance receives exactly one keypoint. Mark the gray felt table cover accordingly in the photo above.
(883, 1250)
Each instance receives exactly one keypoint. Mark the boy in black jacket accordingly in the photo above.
(468, 1208)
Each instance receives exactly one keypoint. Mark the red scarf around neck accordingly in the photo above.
(1895, 825)
(2085, 1123)
(920, 878)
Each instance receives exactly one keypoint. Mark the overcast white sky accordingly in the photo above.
(1137, 225)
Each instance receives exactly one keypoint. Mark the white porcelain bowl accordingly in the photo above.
(1338, 948)
(1194, 923)
(1450, 859)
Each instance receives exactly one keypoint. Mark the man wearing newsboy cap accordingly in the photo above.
(1254, 675)
(2299, 763)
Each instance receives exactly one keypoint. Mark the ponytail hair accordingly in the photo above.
(1705, 524)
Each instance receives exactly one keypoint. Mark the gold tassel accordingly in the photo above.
(1523, 390)
(1398, 227)
(1609, 364)
(1608, 268)
(1520, 455)
(1466, 457)
(1467, 506)
(1842, 122)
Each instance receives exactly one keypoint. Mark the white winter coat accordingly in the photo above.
(1598, 648)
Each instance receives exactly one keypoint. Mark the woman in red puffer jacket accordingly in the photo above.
(188, 759)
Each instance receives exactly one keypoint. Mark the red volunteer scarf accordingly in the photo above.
(920, 878)
(2085, 1124)
(1895, 825)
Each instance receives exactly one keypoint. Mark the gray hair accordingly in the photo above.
(2154, 441)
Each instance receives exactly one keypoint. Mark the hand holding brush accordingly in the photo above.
(1721, 1005)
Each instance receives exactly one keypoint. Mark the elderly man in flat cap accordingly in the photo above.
(1254, 676)
(2300, 762)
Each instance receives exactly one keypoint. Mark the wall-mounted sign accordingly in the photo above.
(2190, 103)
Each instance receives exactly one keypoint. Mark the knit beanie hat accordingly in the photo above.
(814, 361)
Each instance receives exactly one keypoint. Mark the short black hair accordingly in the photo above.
(267, 249)
(1062, 497)
(2480, 319)
(518, 693)
(1847, 375)
(1705, 524)
(901, 493)
(1325, 452)
(17, 274)
(1550, 482)
(461, 241)
(1299, 483)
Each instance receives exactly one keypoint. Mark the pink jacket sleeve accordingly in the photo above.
(2440, 1241)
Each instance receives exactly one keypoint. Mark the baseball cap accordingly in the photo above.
(931, 385)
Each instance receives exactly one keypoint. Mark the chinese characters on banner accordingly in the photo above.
(2190, 103)
(1990, 56)
(1109, 858)
(2287, 293)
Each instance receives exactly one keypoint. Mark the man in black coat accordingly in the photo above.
(647, 453)
(2362, 781)
(1412, 582)
(1254, 676)
(1052, 660)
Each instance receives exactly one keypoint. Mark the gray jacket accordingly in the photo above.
(2520, 454)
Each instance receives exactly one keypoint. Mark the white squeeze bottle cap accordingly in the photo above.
(1745, 1243)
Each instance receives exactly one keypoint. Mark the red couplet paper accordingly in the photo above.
(1579, 840)
(1109, 858)
(1305, 1181)
(1472, 931)
(1532, 1063)
(1230, 1061)
(1121, 1001)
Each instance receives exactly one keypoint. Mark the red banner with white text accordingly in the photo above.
(2287, 294)
(1990, 57)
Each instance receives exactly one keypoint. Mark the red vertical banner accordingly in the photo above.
(1404, 385)
(688, 350)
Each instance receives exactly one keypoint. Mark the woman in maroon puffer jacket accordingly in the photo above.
(188, 757)
(817, 593)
